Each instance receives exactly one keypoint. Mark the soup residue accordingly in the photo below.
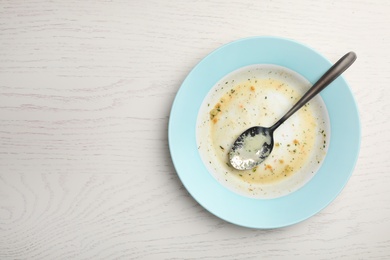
(258, 96)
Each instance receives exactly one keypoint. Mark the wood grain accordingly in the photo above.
(86, 89)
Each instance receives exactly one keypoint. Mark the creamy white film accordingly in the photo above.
(260, 95)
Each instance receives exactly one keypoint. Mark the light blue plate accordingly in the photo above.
(260, 213)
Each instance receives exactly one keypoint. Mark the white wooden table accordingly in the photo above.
(86, 89)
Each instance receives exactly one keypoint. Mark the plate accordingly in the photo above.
(315, 195)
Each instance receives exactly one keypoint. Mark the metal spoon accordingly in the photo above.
(255, 144)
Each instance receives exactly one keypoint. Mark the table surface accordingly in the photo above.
(86, 89)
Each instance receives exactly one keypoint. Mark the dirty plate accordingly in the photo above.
(299, 205)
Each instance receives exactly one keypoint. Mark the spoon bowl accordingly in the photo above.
(251, 148)
(255, 144)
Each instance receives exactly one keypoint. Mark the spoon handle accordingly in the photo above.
(334, 72)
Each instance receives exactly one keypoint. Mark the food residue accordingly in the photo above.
(260, 99)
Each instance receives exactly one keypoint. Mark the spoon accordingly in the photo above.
(255, 144)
